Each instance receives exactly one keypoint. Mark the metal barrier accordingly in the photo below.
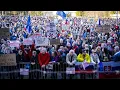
(57, 71)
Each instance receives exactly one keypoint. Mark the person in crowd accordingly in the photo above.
(55, 63)
(43, 58)
(34, 65)
(27, 51)
(99, 52)
(20, 57)
(82, 40)
(116, 56)
(83, 57)
(71, 60)
(34, 58)
(110, 48)
(94, 59)
(54, 57)
(62, 62)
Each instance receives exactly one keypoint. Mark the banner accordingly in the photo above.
(14, 44)
(27, 41)
(103, 28)
(35, 36)
(8, 60)
(54, 41)
(41, 41)
(4, 33)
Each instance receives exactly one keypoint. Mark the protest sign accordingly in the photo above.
(41, 41)
(106, 28)
(103, 28)
(54, 41)
(70, 70)
(8, 60)
(14, 44)
(24, 71)
(98, 29)
(27, 41)
(51, 30)
(4, 33)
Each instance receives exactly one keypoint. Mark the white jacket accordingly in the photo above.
(94, 58)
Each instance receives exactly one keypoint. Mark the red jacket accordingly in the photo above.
(43, 59)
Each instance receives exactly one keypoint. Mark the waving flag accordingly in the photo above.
(98, 22)
(28, 27)
(62, 14)
(85, 64)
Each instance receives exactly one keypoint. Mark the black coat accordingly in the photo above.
(20, 58)
(34, 59)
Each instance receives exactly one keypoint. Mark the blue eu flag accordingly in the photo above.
(28, 27)
(62, 14)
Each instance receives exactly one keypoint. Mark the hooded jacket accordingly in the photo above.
(81, 59)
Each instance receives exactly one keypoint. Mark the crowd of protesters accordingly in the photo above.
(79, 43)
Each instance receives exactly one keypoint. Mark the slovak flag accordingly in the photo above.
(85, 64)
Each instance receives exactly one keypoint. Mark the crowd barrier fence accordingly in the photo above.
(28, 71)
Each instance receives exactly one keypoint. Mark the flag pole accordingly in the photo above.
(117, 18)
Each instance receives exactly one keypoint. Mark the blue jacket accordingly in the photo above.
(116, 57)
